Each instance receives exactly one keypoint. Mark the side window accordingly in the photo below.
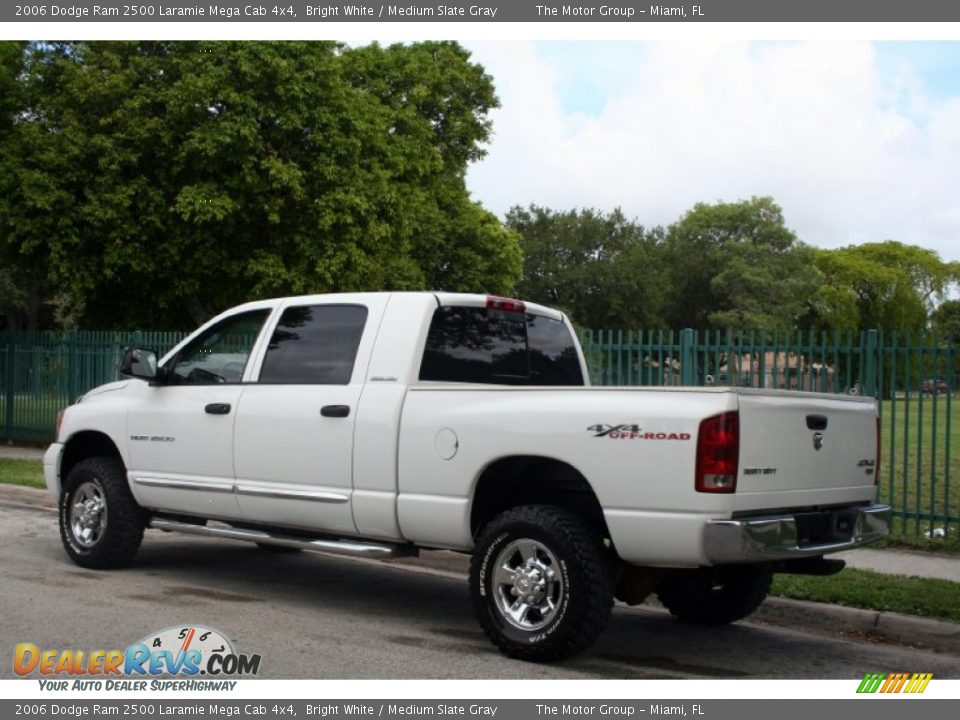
(315, 344)
(553, 354)
(476, 345)
(220, 354)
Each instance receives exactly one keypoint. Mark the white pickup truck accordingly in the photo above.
(375, 424)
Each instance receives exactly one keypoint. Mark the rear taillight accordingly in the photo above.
(59, 423)
(718, 453)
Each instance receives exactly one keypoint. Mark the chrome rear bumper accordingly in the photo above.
(780, 537)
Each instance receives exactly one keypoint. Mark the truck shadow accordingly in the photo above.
(639, 643)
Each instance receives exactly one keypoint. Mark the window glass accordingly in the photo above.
(477, 345)
(315, 344)
(220, 354)
(553, 354)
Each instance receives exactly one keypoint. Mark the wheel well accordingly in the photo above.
(83, 445)
(530, 480)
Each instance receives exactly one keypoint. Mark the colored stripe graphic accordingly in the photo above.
(895, 683)
(871, 682)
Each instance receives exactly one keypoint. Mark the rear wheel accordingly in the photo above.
(540, 583)
(101, 525)
(716, 596)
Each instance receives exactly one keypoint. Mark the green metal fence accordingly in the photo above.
(912, 375)
(41, 373)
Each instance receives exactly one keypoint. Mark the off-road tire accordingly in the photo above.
(102, 479)
(582, 581)
(716, 596)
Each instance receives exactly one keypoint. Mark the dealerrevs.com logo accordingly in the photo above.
(187, 651)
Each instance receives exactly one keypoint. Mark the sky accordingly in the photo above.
(857, 141)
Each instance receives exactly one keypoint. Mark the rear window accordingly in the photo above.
(477, 345)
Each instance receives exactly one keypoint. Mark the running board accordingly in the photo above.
(352, 548)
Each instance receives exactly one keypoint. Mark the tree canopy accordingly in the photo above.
(159, 182)
(737, 265)
(602, 269)
(886, 285)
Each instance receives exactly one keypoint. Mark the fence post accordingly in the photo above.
(688, 357)
(871, 347)
(72, 353)
(8, 379)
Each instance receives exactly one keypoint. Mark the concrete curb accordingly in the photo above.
(799, 615)
(938, 635)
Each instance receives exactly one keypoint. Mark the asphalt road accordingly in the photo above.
(315, 616)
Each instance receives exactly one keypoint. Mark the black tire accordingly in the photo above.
(108, 538)
(565, 562)
(716, 596)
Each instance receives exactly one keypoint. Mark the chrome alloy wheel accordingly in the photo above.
(88, 514)
(527, 584)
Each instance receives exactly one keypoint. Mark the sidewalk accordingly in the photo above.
(904, 562)
(16, 452)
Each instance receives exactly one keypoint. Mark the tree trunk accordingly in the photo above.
(198, 311)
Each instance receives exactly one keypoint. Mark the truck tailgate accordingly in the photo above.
(794, 442)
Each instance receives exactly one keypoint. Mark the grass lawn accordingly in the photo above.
(22, 472)
(920, 467)
(937, 599)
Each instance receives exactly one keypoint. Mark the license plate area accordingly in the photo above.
(825, 526)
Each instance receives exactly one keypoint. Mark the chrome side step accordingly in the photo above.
(354, 548)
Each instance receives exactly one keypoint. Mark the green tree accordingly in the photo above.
(887, 285)
(602, 269)
(945, 321)
(181, 178)
(737, 265)
(23, 276)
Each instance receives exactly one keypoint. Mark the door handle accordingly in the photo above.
(335, 410)
(217, 409)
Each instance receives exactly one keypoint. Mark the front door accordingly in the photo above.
(181, 432)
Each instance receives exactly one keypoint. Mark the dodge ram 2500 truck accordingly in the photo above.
(375, 424)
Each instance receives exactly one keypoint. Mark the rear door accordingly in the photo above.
(294, 432)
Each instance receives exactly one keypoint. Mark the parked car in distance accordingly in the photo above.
(935, 386)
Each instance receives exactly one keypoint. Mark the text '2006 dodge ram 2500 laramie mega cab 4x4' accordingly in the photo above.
(375, 424)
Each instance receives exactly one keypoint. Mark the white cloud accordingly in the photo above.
(852, 155)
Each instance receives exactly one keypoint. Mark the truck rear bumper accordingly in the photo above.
(798, 535)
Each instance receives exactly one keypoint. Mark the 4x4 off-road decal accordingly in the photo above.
(628, 431)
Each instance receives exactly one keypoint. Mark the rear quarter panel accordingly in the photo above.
(639, 477)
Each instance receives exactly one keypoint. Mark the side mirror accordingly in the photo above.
(140, 363)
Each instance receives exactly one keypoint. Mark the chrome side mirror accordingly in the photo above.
(139, 363)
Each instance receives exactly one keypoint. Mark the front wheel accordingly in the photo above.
(716, 596)
(101, 525)
(540, 583)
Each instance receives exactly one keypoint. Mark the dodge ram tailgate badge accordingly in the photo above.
(817, 440)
